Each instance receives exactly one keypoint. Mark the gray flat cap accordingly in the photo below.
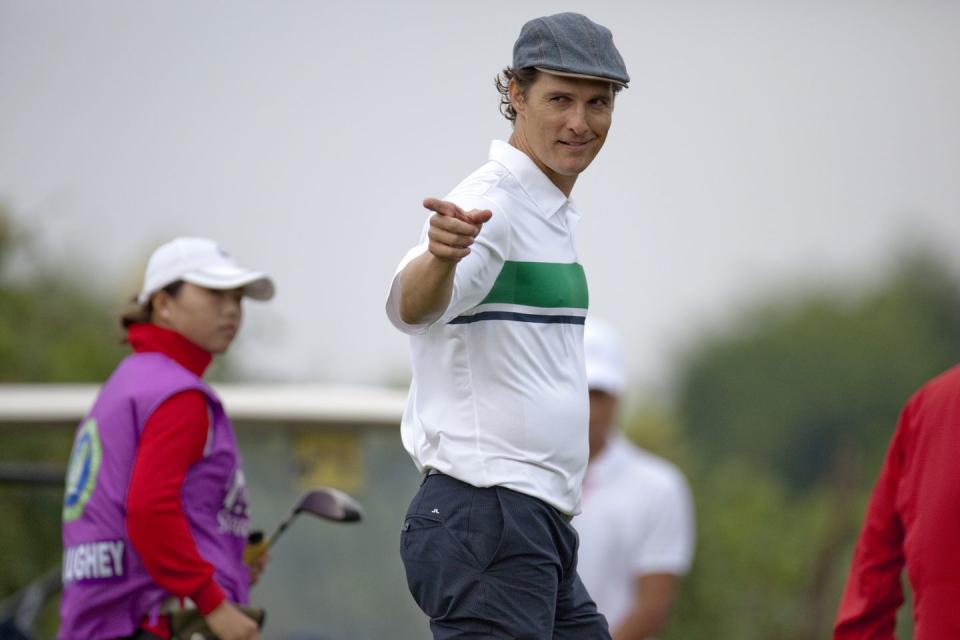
(570, 44)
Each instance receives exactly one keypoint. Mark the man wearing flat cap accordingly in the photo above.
(494, 300)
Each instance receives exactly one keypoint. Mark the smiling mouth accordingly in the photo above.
(575, 145)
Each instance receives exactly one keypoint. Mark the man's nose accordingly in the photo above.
(577, 120)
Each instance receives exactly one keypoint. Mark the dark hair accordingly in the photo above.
(144, 312)
(524, 78)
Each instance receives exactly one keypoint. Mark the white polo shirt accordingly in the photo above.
(499, 392)
(637, 519)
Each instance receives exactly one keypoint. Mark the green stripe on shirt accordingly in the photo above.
(540, 284)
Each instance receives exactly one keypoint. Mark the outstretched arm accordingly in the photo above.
(426, 283)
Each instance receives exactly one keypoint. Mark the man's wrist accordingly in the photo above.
(445, 263)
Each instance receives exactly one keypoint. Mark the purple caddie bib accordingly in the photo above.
(106, 589)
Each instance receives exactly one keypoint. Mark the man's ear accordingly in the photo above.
(516, 96)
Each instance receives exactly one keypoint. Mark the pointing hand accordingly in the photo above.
(453, 230)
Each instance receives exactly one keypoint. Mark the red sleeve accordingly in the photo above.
(173, 439)
(873, 592)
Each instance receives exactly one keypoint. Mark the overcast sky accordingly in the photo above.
(759, 143)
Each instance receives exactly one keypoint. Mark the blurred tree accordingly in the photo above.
(4, 236)
(52, 329)
(813, 387)
(788, 415)
(757, 572)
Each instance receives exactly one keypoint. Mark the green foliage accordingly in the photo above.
(4, 236)
(796, 384)
(754, 559)
(759, 545)
(782, 423)
(51, 330)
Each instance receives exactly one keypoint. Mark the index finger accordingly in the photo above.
(444, 207)
(478, 216)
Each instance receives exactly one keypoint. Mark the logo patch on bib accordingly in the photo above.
(82, 470)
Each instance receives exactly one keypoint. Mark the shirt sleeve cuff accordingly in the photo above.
(208, 597)
(393, 298)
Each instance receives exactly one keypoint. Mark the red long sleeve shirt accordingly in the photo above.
(172, 441)
(913, 520)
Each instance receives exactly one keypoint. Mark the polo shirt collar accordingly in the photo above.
(547, 196)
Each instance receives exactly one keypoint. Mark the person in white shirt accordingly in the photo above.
(637, 524)
(494, 300)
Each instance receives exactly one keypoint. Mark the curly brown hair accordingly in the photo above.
(524, 78)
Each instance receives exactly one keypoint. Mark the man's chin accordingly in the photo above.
(573, 169)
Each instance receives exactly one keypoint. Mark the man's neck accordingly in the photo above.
(564, 183)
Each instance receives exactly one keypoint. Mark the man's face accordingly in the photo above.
(603, 413)
(562, 123)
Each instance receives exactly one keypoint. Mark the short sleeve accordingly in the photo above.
(393, 297)
(667, 536)
(475, 274)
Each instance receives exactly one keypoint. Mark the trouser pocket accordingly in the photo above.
(449, 537)
(437, 568)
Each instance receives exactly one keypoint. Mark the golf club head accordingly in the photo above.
(330, 504)
(324, 502)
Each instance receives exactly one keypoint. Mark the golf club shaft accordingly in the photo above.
(279, 530)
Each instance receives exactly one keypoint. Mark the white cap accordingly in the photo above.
(603, 354)
(201, 262)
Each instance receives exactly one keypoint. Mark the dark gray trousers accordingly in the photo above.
(494, 563)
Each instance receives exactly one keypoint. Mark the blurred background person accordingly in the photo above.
(637, 526)
(913, 520)
(155, 508)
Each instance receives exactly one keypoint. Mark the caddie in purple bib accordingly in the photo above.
(106, 589)
(155, 510)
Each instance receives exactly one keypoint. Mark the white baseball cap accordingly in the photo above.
(603, 354)
(201, 262)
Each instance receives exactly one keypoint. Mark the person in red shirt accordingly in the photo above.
(913, 521)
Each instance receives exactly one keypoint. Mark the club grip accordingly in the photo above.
(256, 545)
